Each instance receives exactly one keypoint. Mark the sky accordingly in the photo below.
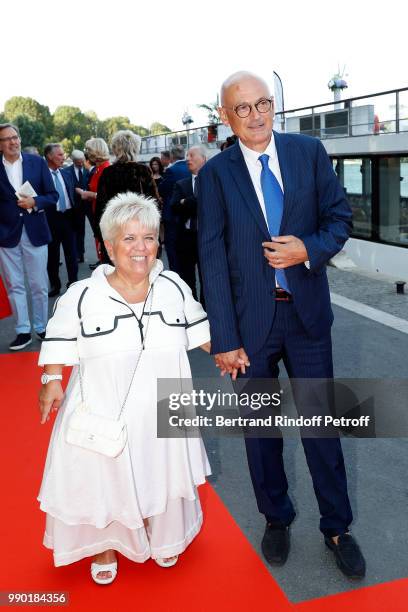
(152, 61)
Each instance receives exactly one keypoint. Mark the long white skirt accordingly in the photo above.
(164, 535)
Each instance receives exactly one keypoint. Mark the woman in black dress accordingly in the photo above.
(125, 174)
(157, 169)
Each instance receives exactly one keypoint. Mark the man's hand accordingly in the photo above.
(232, 362)
(286, 251)
(25, 201)
(51, 396)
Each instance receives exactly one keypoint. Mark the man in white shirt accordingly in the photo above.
(184, 205)
(24, 233)
(82, 208)
(61, 220)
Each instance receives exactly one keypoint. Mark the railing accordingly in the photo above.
(383, 112)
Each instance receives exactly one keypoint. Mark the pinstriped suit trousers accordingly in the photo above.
(304, 358)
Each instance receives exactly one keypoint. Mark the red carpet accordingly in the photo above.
(219, 572)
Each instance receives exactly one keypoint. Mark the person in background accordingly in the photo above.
(32, 150)
(82, 208)
(165, 160)
(184, 205)
(173, 227)
(97, 152)
(231, 140)
(125, 174)
(24, 233)
(61, 220)
(125, 327)
(157, 170)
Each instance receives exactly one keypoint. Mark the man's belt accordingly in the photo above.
(282, 296)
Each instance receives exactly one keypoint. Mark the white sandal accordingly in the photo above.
(169, 563)
(104, 567)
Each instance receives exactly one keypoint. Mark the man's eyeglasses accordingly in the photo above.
(244, 110)
(10, 138)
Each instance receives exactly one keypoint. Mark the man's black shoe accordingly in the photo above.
(20, 342)
(348, 555)
(275, 544)
(54, 291)
(40, 335)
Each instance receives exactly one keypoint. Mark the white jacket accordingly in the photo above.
(92, 319)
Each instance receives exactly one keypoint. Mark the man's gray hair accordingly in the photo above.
(4, 126)
(126, 207)
(177, 152)
(77, 154)
(49, 148)
(200, 150)
(125, 145)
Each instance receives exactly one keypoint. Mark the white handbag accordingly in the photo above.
(99, 433)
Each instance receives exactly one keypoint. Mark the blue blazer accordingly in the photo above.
(70, 173)
(174, 173)
(238, 282)
(12, 217)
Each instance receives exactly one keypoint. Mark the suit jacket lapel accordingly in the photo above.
(26, 168)
(288, 164)
(244, 183)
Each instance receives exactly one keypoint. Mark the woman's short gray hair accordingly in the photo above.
(97, 149)
(125, 145)
(126, 207)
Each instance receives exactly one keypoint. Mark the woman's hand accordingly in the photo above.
(51, 396)
(206, 347)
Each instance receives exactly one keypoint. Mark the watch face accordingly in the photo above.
(44, 379)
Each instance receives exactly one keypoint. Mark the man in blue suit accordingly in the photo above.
(173, 226)
(271, 213)
(82, 208)
(61, 220)
(24, 233)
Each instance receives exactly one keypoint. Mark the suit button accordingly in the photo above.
(21, 214)
(98, 329)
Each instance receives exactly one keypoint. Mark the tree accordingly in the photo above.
(114, 124)
(71, 124)
(20, 106)
(159, 128)
(32, 132)
(212, 110)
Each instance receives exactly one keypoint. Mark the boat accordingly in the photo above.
(366, 138)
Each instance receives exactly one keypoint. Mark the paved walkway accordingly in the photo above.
(376, 291)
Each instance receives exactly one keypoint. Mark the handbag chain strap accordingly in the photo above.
(149, 294)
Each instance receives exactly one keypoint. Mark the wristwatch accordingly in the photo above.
(46, 378)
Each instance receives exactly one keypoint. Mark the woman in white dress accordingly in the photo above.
(121, 329)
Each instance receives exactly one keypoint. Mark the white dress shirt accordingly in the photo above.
(255, 168)
(61, 178)
(14, 171)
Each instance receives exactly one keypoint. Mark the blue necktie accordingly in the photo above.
(273, 197)
(62, 204)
